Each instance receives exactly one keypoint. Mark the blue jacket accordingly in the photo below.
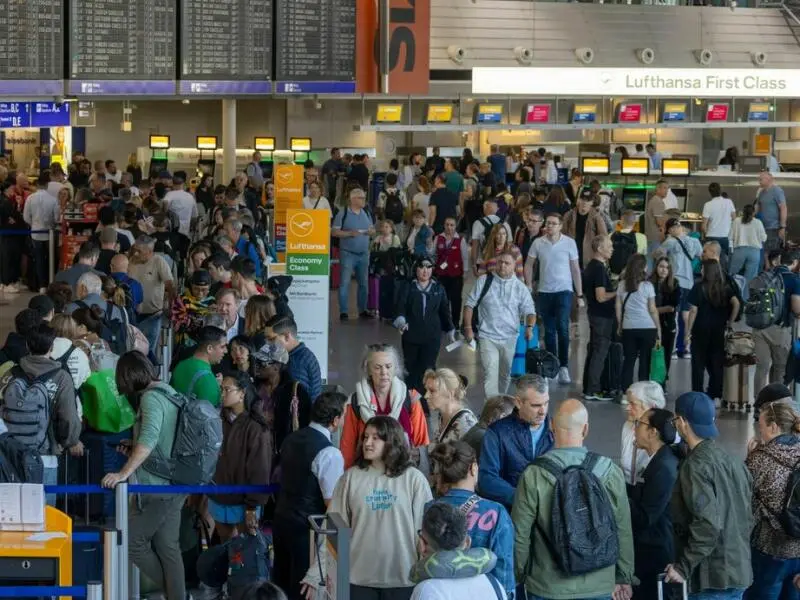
(507, 451)
(304, 369)
(421, 241)
(248, 249)
(489, 526)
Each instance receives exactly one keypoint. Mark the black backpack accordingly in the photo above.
(18, 462)
(624, 247)
(393, 208)
(583, 527)
(789, 517)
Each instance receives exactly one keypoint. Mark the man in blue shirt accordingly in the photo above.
(772, 211)
(303, 365)
(119, 271)
(655, 157)
(773, 344)
(244, 247)
(497, 161)
(354, 228)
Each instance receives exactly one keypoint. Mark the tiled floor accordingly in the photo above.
(347, 343)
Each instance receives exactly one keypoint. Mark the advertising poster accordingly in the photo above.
(308, 237)
(288, 196)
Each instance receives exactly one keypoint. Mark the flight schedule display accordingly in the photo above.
(226, 47)
(31, 47)
(122, 47)
(316, 46)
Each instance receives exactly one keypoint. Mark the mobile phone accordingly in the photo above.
(671, 591)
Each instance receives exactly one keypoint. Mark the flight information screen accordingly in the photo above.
(316, 46)
(122, 47)
(31, 47)
(226, 47)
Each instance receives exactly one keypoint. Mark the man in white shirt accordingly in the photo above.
(502, 301)
(718, 216)
(559, 274)
(112, 173)
(315, 200)
(181, 203)
(655, 157)
(41, 213)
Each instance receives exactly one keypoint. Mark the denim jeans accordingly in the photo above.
(745, 261)
(683, 306)
(729, 594)
(151, 328)
(554, 309)
(349, 263)
(535, 597)
(772, 577)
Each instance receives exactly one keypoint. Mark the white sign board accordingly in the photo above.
(591, 81)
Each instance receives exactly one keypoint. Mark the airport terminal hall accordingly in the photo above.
(400, 299)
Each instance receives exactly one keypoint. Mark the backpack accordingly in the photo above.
(393, 207)
(487, 224)
(625, 246)
(248, 560)
(583, 527)
(18, 462)
(5, 375)
(198, 439)
(26, 406)
(115, 331)
(766, 303)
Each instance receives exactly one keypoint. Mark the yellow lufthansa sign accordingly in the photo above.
(266, 144)
(439, 113)
(635, 166)
(159, 142)
(206, 142)
(308, 231)
(675, 166)
(596, 166)
(288, 196)
(389, 113)
(297, 144)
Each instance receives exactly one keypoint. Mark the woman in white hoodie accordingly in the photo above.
(382, 499)
(73, 358)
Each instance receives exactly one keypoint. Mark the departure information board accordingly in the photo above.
(122, 47)
(226, 47)
(316, 46)
(31, 47)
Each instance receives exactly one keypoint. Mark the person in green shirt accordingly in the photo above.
(193, 376)
(453, 180)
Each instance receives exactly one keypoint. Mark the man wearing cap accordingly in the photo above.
(711, 508)
(193, 376)
(584, 223)
(681, 249)
(181, 203)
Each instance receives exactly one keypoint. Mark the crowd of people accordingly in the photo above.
(441, 501)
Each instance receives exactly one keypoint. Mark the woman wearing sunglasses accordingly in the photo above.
(649, 500)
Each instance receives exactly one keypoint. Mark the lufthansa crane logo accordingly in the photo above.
(285, 177)
(301, 224)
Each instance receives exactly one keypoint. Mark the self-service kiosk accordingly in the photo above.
(300, 148)
(159, 148)
(266, 146)
(207, 161)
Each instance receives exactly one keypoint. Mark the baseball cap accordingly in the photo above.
(587, 195)
(201, 277)
(271, 354)
(774, 392)
(42, 304)
(699, 411)
(423, 261)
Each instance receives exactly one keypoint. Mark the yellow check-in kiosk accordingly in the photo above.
(159, 147)
(24, 562)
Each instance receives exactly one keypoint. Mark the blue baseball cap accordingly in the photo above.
(699, 411)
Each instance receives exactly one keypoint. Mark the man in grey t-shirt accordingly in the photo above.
(354, 227)
(772, 209)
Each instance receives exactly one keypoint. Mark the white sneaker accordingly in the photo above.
(563, 376)
(12, 289)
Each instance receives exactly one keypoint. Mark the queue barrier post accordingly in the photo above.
(121, 501)
(110, 561)
(94, 591)
(51, 254)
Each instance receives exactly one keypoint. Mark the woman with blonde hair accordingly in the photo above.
(72, 358)
(499, 243)
(772, 459)
(445, 392)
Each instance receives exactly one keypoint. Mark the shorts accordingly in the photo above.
(230, 514)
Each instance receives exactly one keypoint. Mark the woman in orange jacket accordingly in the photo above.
(381, 392)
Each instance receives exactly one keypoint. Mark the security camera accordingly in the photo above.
(585, 55)
(704, 56)
(759, 58)
(60, 100)
(318, 105)
(646, 55)
(523, 55)
(456, 54)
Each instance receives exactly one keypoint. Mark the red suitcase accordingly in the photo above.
(336, 269)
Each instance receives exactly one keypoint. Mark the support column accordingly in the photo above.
(228, 139)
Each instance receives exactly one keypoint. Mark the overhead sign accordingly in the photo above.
(206, 142)
(674, 112)
(717, 112)
(34, 114)
(265, 144)
(159, 142)
(595, 165)
(584, 113)
(759, 111)
(629, 113)
(489, 113)
(762, 144)
(298, 144)
(288, 180)
(635, 166)
(308, 236)
(439, 113)
(14, 114)
(594, 81)
(533, 114)
(675, 166)
(389, 113)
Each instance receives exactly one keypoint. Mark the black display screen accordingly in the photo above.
(226, 47)
(316, 46)
(31, 48)
(122, 47)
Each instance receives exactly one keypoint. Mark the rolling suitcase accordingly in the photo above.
(738, 385)
(523, 345)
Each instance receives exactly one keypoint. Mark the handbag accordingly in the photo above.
(658, 364)
(104, 408)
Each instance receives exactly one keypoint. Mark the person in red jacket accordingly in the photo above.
(452, 254)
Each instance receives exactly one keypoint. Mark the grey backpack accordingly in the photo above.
(766, 302)
(26, 407)
(198, 439)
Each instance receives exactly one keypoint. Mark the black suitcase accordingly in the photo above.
(611, 377)
(541, 362)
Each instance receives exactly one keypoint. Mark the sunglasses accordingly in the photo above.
(638, 422)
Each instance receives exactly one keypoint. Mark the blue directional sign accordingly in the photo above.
(14, 114)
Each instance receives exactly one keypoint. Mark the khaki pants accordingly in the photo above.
(772, 351)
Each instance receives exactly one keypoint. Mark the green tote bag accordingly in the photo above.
(658, 365)
(104, 408)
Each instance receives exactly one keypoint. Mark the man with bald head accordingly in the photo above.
(544, 574)
(119, 271)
